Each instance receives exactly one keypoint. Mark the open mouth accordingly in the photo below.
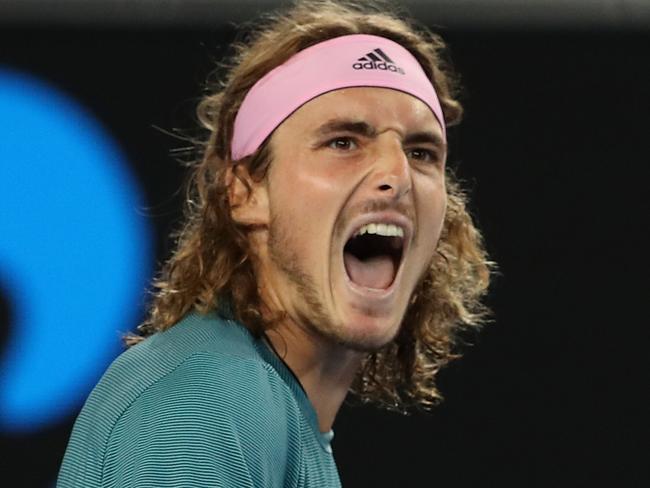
(373, 254)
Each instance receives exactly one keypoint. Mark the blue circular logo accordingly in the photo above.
(74, 251)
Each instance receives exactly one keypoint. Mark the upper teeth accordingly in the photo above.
(381, 229)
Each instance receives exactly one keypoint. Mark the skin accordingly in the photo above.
(341, 159)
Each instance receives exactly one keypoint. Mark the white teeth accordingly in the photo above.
(381, 229)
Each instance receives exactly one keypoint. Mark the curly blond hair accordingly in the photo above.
(211, 265)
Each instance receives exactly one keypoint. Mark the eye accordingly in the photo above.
(422, 154)
(342, 143)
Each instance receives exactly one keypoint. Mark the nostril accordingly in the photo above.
(385, 187)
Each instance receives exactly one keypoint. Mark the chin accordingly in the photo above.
(366, 333)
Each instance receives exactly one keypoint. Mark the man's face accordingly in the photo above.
(367, 160)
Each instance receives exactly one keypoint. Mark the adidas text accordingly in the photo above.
(375, 65)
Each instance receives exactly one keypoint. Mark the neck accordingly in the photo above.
(325, 370)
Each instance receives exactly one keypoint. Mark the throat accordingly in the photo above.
(373, 272)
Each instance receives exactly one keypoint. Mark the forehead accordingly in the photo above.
(379, 107)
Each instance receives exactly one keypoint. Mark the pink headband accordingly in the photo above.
(342, 62)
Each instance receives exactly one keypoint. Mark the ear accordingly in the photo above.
(249, 203)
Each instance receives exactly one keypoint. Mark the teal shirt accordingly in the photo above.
(203, 404)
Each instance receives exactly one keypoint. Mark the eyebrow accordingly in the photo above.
(343, 125)
(364, 129)
(426, 137)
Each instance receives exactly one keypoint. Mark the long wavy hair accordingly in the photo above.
(211, 264)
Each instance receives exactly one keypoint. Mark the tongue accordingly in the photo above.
(375, 272)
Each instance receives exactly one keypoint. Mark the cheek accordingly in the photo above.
(315, 192)
(431, 220)
(319, 179)
(308, 202)
(440, 212)
(431, 211)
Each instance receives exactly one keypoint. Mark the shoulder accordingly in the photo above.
(202, 362)
(214, 397)
(216, 382)
(195, 343)
(214, 416)
(198, 393)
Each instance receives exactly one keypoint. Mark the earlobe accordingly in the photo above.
(248, 198)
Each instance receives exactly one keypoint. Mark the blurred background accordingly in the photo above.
(553, 150)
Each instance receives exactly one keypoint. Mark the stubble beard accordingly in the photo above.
(313, 316)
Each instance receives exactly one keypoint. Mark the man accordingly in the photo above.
(325, 249)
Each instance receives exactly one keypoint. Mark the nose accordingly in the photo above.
(391, 171)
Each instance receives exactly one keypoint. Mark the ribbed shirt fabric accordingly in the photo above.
(202, 404)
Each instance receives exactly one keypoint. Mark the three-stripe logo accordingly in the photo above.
(377, 59)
